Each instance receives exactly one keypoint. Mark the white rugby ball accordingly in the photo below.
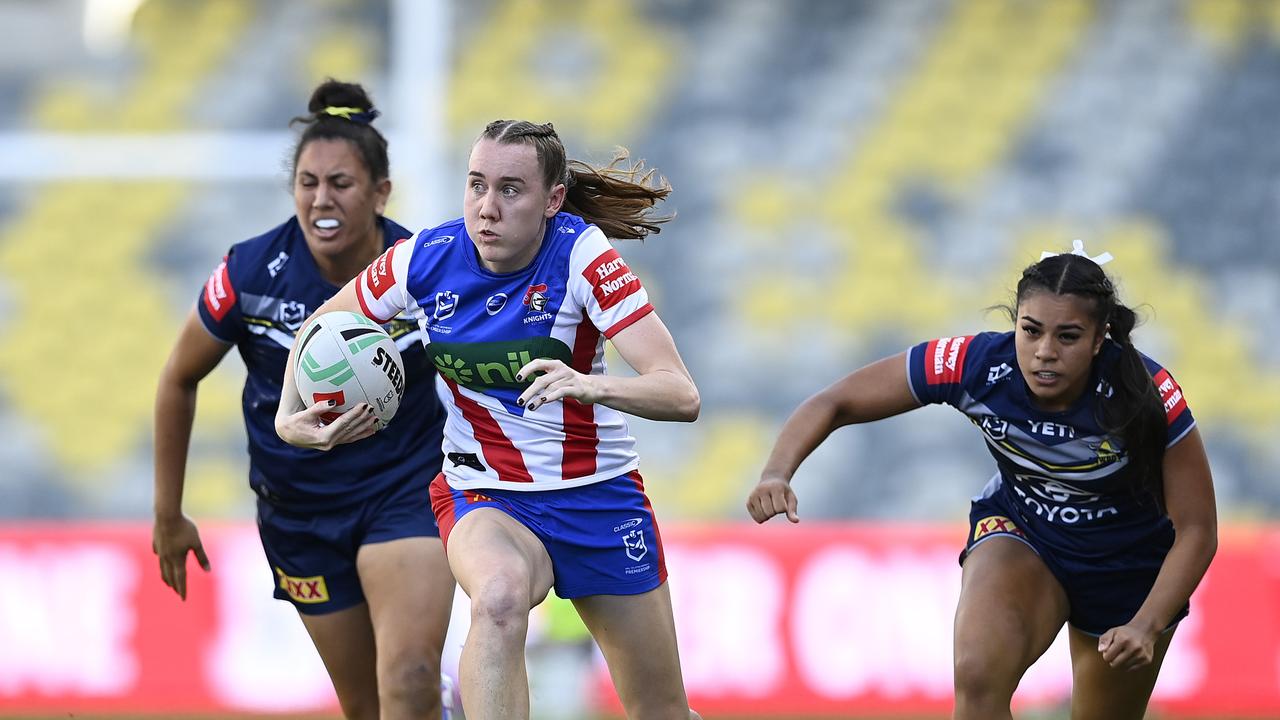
(347, 357)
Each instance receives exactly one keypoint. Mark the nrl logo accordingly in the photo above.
(634, 543)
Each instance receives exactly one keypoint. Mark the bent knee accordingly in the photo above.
(411, 682)
(503, 602)
(987, 677)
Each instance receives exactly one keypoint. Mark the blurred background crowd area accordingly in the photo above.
(851, 177)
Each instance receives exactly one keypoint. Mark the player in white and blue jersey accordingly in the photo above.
(349, 534)
(1100, 515)
(540, 487)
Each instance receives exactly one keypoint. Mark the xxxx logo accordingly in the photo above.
(308, 590)
(995, 524)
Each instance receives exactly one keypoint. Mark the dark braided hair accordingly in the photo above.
(1132, 409)
(616, 198)
(343, 111)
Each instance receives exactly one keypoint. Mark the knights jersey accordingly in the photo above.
(481, 327)
(257, 299)
(1069, 478)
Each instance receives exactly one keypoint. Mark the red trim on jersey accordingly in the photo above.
(219, 295)
(364, 307)
(627, 321)
(580, 433)
(944, 360)
(648, 506)
(442, 504)
(380, 275)
(1170, 395)
(496, 447)
(611, 280)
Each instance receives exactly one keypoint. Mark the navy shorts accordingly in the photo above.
(602, 538)
(1100, 598)
(313, 555)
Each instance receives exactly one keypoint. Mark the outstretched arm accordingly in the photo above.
(1189, 500)
(300, 425)
(877, 391)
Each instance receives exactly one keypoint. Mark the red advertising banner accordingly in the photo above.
(819, 620)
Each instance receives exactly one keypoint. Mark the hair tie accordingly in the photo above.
(1077, 248)
(354, 114)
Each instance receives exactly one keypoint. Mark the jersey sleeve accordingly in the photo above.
(381, 287)
(1176, 412)
(599, 278)
(937, 370)
(219, 305)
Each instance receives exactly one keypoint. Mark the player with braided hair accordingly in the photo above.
(540, 487)
(1101, 513)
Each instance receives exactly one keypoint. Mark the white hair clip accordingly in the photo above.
(1077, 248)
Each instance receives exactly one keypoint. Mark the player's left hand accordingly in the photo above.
(1127, 647)
(553, 380)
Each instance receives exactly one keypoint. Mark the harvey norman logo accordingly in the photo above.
(948, 360)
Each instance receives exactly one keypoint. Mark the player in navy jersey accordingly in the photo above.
(1101, 513)
(540, 487)
(349, 534)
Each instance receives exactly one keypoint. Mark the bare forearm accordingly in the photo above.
(658, 395)
(803, 432)
(174, 416)
(1183, 568)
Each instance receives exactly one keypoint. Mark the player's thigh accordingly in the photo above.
(637, 635)
(1101, 692)
(1011, 608)
(489, 551)
(409, 589)
(345, 642)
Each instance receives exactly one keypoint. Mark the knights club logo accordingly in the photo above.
(634, 543)
(535, 298)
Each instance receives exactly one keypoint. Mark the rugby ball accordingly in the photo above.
(347, 357)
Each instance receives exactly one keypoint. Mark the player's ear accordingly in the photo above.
(555, 200)
(381, 193)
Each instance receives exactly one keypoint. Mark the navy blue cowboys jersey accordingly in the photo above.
(257, 299)
(1069, 479)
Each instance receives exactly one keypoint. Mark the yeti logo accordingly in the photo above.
(634, 542)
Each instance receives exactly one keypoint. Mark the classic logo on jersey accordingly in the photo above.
(634, 544)
(219, 296)
(379, 276)
(309, 590)
(611, 280)
(997, 373)
(495, 303)
(494, 364)
(995, 524)
(535, 298)
(944, 360)
(438, 241)
(1170, 395)
(275, 266)
(446, 304)
(291, 314)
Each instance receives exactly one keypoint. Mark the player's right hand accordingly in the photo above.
(171, 540)
(307, 429)
(772, 496)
